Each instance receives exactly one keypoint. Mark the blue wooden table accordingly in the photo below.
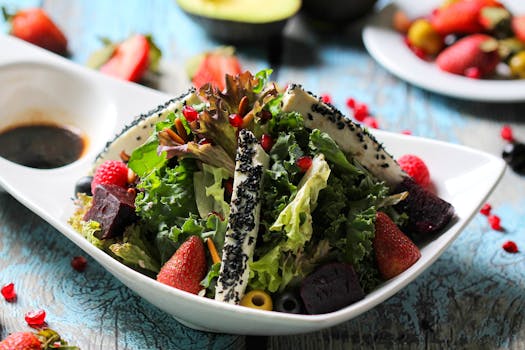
(473, 296)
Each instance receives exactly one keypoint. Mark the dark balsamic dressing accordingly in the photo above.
(42, 146)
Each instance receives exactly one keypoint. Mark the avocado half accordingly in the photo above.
(241, 20)
(337, 11)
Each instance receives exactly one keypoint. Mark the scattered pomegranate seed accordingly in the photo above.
(8, 292)
(510, 247)
(473, 73)
(79, 263)
(406, 132)
(266, 142)
(350, 103)
(228, 185)
(304, 163)
(506, 133)
(35, 318)
(485, 209)
(235, 120)
(360, 111)
(326, 98)
(371, 122)
(495, 222)
(190, 113)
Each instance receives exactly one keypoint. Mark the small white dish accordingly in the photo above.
(388, 48)
(465, 180)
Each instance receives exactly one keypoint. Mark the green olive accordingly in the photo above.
(257, 299)
(517, 65)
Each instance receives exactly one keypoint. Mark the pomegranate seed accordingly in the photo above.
(510, 247)
(406, 132)
(228, 185)
(371, 122)
(473, 73)
(360, 111)
(8, 292)
(190, 113)
(79, 263)
(35, 318)
(326, 98)
(265, 115)
(495, 222)
(304, 163)
(350, 103)
(266, 142)
(485, 209)
(419, 53)
(506, 133)
(235, 120)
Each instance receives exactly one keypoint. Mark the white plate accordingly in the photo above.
(388, 48)
(100, 106)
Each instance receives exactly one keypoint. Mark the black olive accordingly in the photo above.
(288, 302)
(514, 155)
(83, 185)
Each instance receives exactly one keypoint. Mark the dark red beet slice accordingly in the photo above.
(330, 288)
(427, 212)
(113, 208)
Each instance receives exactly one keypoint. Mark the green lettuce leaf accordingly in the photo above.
(134, 251)
(209, 191)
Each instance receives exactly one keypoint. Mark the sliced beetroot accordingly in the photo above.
(113, 208)
(330, 288)
(428, 214)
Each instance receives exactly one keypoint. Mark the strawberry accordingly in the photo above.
(110, 172)
(475, 50)
(130, 60)
(458, 17)
(518, 27)
(416, 168)
(214, 66)
(34, 25)
(186, 268)
(21, 341)
(394, 251)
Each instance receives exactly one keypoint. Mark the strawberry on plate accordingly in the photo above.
(518, 26)
(459, 17)
(394, 251)
(130, 59)
(34, 26)
(211, 67)
(187, 267)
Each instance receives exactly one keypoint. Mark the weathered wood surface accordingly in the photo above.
(472, 297)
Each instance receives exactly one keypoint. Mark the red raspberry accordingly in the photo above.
(112, 172)
(416, 168)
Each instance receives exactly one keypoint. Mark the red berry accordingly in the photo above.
(473, 73)
(371, 122)
(8, 292)
(110, 172)
(350, 103)
(21, 341)
(130, 61)
(360, 111)
(326, 98)
(506, 133)
(266, 142)
(416, 168)
(235, 120)
(79, 263)
(510, 247)
(187, 267)
(190, 113)
(419, 52)
(495, 222)
(485, 209)
(35, 318)
(304, 163)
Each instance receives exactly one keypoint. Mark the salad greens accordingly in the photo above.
(307, 218)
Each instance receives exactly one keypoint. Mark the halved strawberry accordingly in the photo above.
(394, 251)
(214, 66)
(21, 340)
(474, 51)
(518, 27)
(130, 59)
(187, 267)
(34, 25)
